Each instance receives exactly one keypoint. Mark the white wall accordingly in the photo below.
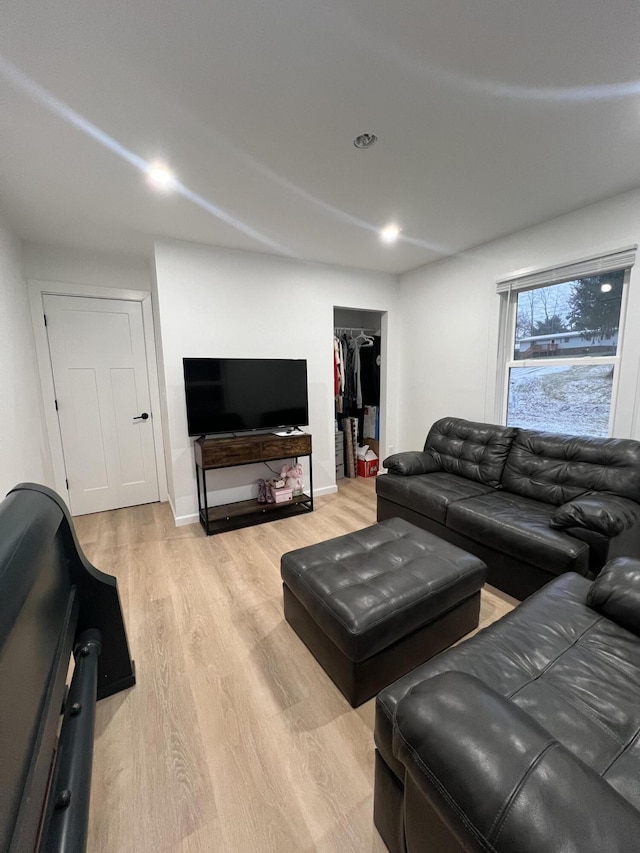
(84, 266)
(221, 302)
(162, 385)
(450, 318)
(24, 451)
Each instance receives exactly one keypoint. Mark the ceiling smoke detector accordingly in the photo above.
(365, 140)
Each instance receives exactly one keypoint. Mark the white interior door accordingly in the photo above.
(101, 383)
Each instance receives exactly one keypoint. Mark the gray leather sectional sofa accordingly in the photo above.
(531, 505)
(524, 738)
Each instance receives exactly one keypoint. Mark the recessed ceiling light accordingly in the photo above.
(160, 176)
(365, 140)
(606, 287)
(390, 233)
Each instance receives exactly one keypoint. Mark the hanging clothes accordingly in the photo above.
(357, 377)
(338, 373)
(354, 345)
(350, 390)
(370, 361)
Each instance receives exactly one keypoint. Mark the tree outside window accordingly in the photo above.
(565, 355)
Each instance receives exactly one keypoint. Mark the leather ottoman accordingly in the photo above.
(374, 604)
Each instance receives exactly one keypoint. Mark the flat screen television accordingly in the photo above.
(241, 394)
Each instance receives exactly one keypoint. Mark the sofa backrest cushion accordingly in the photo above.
(473, 450)
(557, 468)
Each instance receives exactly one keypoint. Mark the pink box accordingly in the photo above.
(282, 495)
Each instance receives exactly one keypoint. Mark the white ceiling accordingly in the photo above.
(492, 115)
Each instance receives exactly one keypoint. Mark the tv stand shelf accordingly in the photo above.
(212, 453)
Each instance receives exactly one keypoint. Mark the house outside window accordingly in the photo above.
(561, 348)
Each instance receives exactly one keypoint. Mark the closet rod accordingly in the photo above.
(355, 329)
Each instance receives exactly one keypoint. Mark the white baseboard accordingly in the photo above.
(183, 520)
(325, 490)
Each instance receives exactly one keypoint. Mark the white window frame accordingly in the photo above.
(526, 280)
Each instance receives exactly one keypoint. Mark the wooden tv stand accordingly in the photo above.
(213, 453)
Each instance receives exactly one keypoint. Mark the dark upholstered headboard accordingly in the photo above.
(53, 603)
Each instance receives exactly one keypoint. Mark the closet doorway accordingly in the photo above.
(359, 385)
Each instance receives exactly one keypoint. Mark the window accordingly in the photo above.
(560, 347)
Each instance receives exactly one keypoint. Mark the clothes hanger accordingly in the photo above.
(364, 340)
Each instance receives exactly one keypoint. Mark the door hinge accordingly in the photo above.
(67, 482)
(45, 319)
(56, 402)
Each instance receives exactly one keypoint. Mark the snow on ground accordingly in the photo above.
(568, 399)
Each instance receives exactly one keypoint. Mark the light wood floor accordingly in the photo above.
(233, 738)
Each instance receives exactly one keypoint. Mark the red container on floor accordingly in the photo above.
(368, 467)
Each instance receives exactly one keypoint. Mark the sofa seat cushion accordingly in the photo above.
(572, 670)
(428, 494)
(519, 527)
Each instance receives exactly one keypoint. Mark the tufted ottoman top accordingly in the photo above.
(370, 588)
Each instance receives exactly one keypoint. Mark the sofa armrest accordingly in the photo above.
(607, 514)
(497, 779)
(411, 462)
(616, 593)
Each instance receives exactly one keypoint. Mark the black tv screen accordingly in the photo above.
(240, 394)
